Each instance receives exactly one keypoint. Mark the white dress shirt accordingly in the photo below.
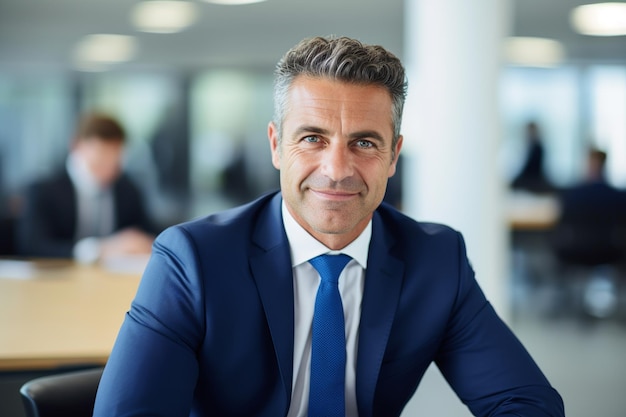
(305, 282)
(95, 214)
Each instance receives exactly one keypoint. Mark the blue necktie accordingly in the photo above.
(328, 346)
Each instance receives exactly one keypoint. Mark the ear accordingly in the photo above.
(394, 163)
(272, 134)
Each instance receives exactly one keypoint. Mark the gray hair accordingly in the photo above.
(342, 59)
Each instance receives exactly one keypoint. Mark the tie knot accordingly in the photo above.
(330, 266)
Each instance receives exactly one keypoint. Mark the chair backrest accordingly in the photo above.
(591, 230)
(68, 394)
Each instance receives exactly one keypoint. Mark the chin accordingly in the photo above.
(330, 228)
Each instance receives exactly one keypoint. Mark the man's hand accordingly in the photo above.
(130, 241)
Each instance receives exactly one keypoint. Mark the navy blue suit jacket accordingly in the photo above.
(211, 329)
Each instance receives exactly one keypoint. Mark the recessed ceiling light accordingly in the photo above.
(233, 2)
(600, 19)
(105, 49)
(163, 16)
(534, 52)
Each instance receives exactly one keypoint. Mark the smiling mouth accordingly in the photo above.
(335, 195)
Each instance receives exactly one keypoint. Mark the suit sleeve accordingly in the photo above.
(485, 363)
(153, 367)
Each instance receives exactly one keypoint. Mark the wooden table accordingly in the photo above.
(59, 313)
(531, 212)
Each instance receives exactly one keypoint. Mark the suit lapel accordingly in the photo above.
(383, 281)
(271, 269)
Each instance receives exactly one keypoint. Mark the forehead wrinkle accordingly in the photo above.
(321, 109)
(361, 133)
(311, 129)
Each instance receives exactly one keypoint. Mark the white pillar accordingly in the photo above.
(452, 128)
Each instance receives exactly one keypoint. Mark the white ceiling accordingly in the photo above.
(42, 33)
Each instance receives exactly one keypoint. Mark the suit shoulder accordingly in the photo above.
(126, 182)
(403, 225)
(55, 186)
(55, 178)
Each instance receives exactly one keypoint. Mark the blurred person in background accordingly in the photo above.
(532, 177)
(590, 235)
(592, 221)
(89, 210)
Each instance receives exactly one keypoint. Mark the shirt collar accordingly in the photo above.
(305, 247)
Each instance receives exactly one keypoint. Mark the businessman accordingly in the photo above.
(318, 300)
(592, 222)
(88, 210)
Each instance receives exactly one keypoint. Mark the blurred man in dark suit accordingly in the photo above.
(590, 237)
(89, 210)
(593, 218)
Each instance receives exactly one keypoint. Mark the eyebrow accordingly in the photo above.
(355, 135)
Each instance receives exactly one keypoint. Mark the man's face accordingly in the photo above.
(335, 156)
(103, 158)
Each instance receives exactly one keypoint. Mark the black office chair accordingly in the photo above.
(71, 393)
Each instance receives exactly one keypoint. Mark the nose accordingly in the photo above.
(337, 163)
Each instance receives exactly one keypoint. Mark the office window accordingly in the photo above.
(230, 156)
(549, 97)
(607, 104)
(34, 115)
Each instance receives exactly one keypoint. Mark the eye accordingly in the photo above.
(311, 139)
(362, 143)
